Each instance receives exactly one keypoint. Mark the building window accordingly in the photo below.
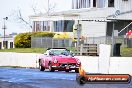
(124, 0)
(110, 3)
(37, 26)
(58, 26)
(45, 26)
(68, 26)
(87, 3)
(11, 44)
(41, 26)
(94, 3)
(5, 44)
(100, 3)
(63, 26)
(77, 4)
(0, 45)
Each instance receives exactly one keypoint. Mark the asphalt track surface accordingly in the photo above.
(33, 78)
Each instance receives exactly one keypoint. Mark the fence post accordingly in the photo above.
(52, 42)
(81, 49)
(93, 40)
(58, 43)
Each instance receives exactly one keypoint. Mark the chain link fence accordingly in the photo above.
(108, 40)
(48, 42)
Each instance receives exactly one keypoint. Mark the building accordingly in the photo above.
(78, 4)
(95, 16)
(103, 12)
(7, 41)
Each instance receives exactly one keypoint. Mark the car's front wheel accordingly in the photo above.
(66, 70)
(50, 68)
(41, 68)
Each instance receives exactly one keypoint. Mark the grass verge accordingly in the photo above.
(24, 50)
(125, 52)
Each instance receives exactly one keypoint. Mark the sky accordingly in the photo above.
(10, 8)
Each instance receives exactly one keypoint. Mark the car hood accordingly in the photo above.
(65, 59)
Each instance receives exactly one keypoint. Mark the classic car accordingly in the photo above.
(59, 59)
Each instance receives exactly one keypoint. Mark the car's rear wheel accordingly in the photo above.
(50, 68)
(41, 68)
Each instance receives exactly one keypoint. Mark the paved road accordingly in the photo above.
(33, 78)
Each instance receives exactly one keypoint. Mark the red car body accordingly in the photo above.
(60, 61)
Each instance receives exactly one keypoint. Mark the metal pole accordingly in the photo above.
(48, 15)
(113, 38)
(78, 36)
(48, 8)
(4, 28)
(125, 27)
(78, 33)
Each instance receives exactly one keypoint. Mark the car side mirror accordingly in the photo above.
(72, 54)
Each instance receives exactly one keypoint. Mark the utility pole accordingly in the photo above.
(113, 38)
(4, 28)
(48, 7)
(48, 25)
(78, 33)
(78, 36)
(113, 34)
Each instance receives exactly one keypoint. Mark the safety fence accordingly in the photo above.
(47, 42)
(125, 42)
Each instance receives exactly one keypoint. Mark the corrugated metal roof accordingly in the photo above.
(121, 16)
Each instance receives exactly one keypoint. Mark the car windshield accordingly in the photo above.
(60, 52)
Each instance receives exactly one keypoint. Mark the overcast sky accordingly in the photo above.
(8, 8)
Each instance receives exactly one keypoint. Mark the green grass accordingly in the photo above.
(125, 52)
(30, 50)
(24, 50)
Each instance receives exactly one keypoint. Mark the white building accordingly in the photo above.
(95, 16)
(7, 42)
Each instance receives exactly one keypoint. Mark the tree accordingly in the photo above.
(20, 18)
(23, 40)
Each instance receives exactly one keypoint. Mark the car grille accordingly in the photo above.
(67, 64)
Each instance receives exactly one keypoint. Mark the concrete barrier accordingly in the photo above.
(117, 65)
(120, 65)
(18, 59)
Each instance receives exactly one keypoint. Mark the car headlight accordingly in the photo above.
(55, 61)
(78, 62)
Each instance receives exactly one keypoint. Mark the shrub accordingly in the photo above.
(61, 36)
(43, 34)
(23, 40)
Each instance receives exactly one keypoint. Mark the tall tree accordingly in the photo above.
(25, 22)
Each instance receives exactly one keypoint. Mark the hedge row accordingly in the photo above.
(23, 40)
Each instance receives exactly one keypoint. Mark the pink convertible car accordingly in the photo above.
(59, 59)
